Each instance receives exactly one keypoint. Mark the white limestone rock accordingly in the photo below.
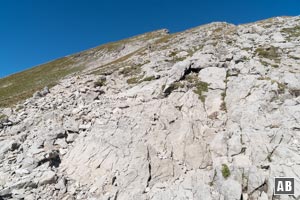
(214, 76)
(147, 141)
(48, 177)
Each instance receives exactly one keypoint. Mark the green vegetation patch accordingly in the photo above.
(139, 79)
(225, 171)
(291, 32)
(19, 107)
(172, 87)
(99, 83)
(269, 53)
(201, 87)
(118, 45)
(149, 78)
(173, 53)
(211, 183)
(281, 86)
(223, 104)
(295, 92)
(264, 78)
(2, 116)
(178, 59)
(115, 65)
(191, 79)
(130, 70)
(294, 57)
(133, 80)
(247, 49)
(264, 63)
(21, 86)
(164, 40)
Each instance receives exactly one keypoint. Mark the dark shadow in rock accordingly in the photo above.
(55, 162)
(295, 92)
(189, 71)
(4, 197)
(53, 158)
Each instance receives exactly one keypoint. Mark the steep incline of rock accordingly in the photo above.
(208, 113)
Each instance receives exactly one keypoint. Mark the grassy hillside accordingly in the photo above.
(22, 85)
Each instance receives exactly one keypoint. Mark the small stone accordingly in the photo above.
(22, 171)
(29, 197)
(231, 189)
(84, 126)
(48, 177)
(63, 151)
(61, 185)
(45, 91)
(71, 138)
(71, 189)
(37, 95)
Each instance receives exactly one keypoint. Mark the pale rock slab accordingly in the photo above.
(214, 76)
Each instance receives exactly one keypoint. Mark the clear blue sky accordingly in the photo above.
(36, 31)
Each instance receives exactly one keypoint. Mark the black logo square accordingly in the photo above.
(284, 185)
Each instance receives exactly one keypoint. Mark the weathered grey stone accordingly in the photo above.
(26, 182)
(48, 177)
(71, 138)
(61, 185)
(277, 37)
(22, 171)
(214, 76)
(84, 126)
(37, 95)
(29, 197)
(255, 179)
(71, 125)
(177, 72)
(231, 190)
(9, 145)
(45, 91)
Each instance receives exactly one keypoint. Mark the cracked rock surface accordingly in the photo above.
(208, 113)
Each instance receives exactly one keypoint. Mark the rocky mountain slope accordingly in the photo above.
(209, 113)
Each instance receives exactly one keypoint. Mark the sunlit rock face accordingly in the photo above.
(209, 113)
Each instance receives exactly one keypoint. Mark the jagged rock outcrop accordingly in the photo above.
(209, 113)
